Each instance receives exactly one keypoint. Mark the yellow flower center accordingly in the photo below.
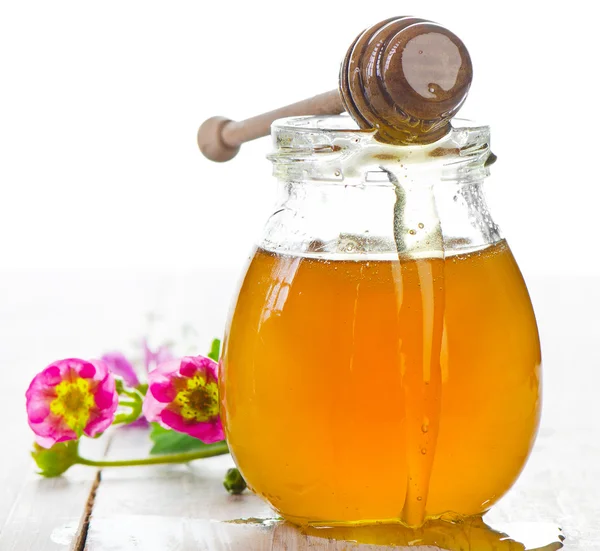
(198, 399)
(73, 403)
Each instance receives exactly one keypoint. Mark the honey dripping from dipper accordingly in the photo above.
(363, 359)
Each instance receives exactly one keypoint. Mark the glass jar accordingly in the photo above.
(382, 360)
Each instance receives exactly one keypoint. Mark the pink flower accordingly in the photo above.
(121, 367)
(154, 359)
(70, 398)
(183, 395)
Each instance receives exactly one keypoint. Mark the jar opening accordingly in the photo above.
(334, 149)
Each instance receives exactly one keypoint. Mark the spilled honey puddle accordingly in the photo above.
(255, 521)
(471, 534)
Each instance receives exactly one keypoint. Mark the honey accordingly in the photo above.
(381, 389)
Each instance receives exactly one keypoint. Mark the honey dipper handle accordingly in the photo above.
(220, 139)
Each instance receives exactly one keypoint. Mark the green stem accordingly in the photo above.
(135, 405)
(215, 449)
(133, 393)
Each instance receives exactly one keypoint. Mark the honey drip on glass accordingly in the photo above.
(421, 379)
(419, 357)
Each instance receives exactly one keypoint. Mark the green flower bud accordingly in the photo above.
(234, 482)
(56, 460)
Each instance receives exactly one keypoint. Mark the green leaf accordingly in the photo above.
(169, 441)
(56, 460)
(215, 350)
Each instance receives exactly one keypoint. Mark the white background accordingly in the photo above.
(108, 211)
(100, 103)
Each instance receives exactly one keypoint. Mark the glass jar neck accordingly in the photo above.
(344, 194)
(332, 221)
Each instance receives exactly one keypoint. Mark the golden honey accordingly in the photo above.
(362, 390)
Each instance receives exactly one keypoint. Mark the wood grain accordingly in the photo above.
(185, 507)
(219, 138)
(46, 514)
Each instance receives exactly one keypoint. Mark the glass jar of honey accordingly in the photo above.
(382, 360)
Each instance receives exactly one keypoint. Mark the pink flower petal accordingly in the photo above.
(121, 367)
(98, 425)
(45, 441)
(162, 390)
(52, 430)
(190, 365)
(154, 359)
(162, 355)
(142, 422)
(38, 387)
(64, 438)
(38, 408)
(167, 369)
(51, 375)
(105, 395)
(80, 368)
(174, 421)
(107, 402)
(104, 398)
(152, 408)
(160, 381)
(87, 371)
(101, 369)
(208, 432)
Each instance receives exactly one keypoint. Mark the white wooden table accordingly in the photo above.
(44, 317)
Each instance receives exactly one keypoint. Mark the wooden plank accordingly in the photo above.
(558, 489)
(42, 514)
(182, 508)
(179, 507)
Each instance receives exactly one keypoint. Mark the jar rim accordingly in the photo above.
(332, 148)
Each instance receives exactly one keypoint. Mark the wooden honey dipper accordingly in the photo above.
(404, 77)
